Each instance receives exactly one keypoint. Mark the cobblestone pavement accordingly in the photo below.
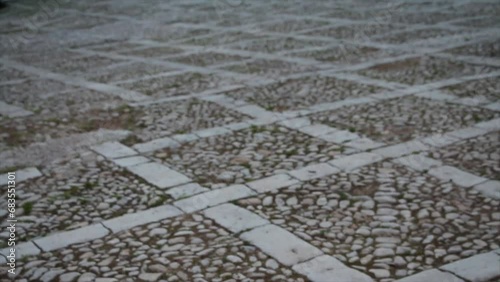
(233, 140)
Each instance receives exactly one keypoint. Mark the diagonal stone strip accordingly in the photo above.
(21, 175)
(234, 218)
(457, 176)
(431, 275)
(483, 267)
(326, 268)
(281, 244)
(63, 239)
(214, 197)
(159, 175)
(12, 111)
(113, 150)
(271, 183)
(125, 94)
(131, 220)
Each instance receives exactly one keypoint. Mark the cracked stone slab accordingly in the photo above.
(296, 123)
(313, 171)
(316, 130)
(212, 132)
(63, 239)
(281, 244)
(457, 176)
(364, 144)
(214, 197)
(431, 275)
(13, 111)
(339, 136)
(272, 183)
(418, 162)
(467, 133)
(491, 125)
(21, 175)
(113, 150)
(401, 149)
(489, 189)
(355, 161)
(234, 218)
(324, 268)
(478, 268)
(139, 218)
(131, 161)
(156, 144)
(186, 190)
(159, 175)
(440, 140)
(23, 249)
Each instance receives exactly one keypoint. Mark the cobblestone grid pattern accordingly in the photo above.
(324, 141)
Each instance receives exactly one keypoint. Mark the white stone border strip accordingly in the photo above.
(479, 268)
(13, 111)
(21, 175)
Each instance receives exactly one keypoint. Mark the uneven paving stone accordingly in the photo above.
(139, 218)
(214, 197)
(234, 218)
(186, 190)
(272, 183)
(60, 240)
(114, 150)
(325, 267)
(432, 274)
(20, 175)
(477, 268)
(489, 189)
(461, 178)
(281, 244)
(158, 175)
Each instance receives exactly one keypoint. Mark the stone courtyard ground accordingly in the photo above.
(238, 140)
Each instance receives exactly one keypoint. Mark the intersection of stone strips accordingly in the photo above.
(200, 141)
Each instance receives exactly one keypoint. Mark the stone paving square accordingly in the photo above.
(424, 70)
(246, 155)
(346, 54)
(127, 72)
(403, 119)
(269, 68)
(299, 93)
(176, 85)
